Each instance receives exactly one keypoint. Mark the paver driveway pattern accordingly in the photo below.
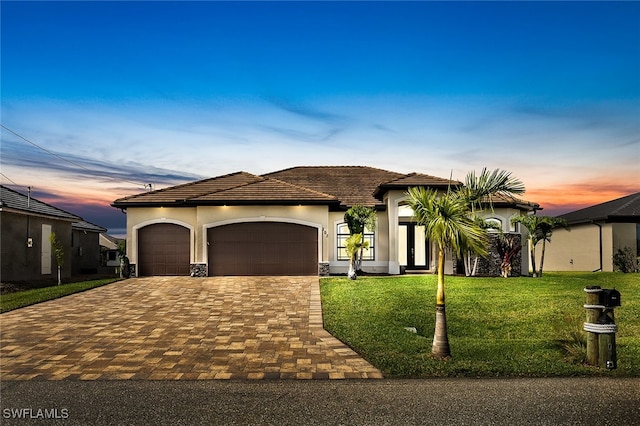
(170, 328)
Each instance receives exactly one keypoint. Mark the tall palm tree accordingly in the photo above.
(449, 222)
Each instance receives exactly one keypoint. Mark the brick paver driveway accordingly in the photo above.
(179, 328)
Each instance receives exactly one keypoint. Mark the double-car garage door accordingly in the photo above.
(248, 248)
(263, 248)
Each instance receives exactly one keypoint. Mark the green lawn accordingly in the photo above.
(20, 299)
(497, 327)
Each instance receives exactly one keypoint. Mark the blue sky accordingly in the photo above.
(165, 92)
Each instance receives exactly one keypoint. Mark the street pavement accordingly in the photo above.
(544, 401)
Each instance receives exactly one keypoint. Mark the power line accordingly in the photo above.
(9, 179)
(65, 159)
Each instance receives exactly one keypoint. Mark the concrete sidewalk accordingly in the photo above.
(179, 328)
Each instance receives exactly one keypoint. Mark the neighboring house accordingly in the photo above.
(85, 248)
(26, 225)
(109, 248)
(595, 234)
(289, 222)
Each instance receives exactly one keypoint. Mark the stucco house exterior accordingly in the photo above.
(595, 234)
(85, 247)
(26, 225)
(289, 222)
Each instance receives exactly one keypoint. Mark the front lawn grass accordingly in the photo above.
(20, 299)
(498, 327)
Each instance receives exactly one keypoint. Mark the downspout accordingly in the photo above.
(600, 243)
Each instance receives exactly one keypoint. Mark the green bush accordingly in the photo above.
(625, 261)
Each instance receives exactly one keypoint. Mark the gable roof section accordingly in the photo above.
(415, 179)
(181, 193)
(349, 184)
(267, 190)
(624, 209)
(87, 227)
(17, 202)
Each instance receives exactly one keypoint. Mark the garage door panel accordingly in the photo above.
(263, 248)
(163, 249)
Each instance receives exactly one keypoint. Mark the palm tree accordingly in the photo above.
(449, 222)
(540, 229)
(353, 245)
(479, 190)
(360, 218)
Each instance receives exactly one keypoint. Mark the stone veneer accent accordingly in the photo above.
(323, 269)
(198, 269)
(132, 270)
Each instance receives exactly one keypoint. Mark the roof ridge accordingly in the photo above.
(324, 194)
(632, 199)
(329, 167)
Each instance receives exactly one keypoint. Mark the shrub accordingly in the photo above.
(625, 261)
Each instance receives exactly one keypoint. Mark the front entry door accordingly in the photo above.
(413, 247)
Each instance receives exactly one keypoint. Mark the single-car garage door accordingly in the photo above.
(163, 249)
(263, 248)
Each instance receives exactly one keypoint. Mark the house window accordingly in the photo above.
(343, 234)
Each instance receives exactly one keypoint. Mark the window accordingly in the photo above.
(342, 235)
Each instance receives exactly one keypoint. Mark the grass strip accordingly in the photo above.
(11, 301)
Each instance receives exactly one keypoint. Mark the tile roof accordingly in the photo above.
(624, 209)
(191, 190)
(350, 184)
(16, 201)
(328, 185)
(265, 189)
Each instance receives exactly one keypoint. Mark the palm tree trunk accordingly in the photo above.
(440, 348)
(532, 250)
(544, 241)
(59, 276)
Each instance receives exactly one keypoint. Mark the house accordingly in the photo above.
(109, 248)
(595, 234)
(289, 222)
(25, 228)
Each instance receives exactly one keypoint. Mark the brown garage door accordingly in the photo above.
(163, 249)
(263, 248)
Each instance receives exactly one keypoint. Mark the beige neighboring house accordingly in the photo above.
(595, 234)
(289, 222)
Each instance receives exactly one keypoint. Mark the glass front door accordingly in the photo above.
(413, 247)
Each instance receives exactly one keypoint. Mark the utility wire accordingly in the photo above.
(9, 179)
(64, 159)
